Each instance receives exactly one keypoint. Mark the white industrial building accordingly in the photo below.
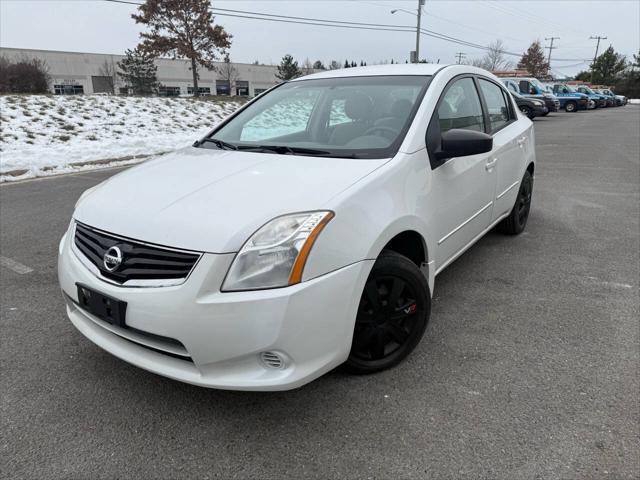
(77, 73)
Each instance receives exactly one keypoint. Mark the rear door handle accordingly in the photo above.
(489, 165)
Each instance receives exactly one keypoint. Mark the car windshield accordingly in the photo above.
(570, 88)
(353, 117)
(539, 85)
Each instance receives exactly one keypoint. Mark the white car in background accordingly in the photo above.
(304, 232)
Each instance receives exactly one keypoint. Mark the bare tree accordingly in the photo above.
(109, 72)
(307, 67)
(494, 59)
(335, 65)
(228, 72)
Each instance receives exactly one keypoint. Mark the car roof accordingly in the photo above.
(374, 70)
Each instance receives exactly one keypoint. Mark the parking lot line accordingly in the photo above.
(15, 266)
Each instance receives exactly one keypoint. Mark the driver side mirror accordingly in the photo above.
(461, 143)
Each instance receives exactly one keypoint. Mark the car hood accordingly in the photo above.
(213, 200)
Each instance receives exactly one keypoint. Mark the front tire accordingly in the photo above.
(392, 316)
(516, 221)
(571, 107)
(527, 111)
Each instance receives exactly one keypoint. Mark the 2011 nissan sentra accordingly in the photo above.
(304, 232)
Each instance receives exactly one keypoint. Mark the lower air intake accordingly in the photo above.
(272, 360)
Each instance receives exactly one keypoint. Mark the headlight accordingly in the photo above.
(275, 255)
(538, 102)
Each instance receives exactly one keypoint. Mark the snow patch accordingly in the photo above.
(45, 135)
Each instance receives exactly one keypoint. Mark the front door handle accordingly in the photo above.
(489, 165)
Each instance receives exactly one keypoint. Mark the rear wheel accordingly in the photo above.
(545, 113)
(571, 107)
(392, 316)
(517, 219)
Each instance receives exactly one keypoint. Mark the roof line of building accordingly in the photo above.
(119, 55)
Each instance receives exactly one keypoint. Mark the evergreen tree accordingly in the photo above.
(318, 65)
(608, 67)
(346, 64)
(534, 60)
(354, 64)
(182, 29)
(138, 71)
(288, 69)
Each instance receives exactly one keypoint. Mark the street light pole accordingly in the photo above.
(416, 59)
(420, 3)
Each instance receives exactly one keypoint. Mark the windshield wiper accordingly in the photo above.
(284, 149)
(218, 143)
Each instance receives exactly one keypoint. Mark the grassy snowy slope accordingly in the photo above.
(42, 134)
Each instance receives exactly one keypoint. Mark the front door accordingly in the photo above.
(463, 187)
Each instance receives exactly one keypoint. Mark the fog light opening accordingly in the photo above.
(273, 360)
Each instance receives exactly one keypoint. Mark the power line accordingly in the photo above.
(341, 24)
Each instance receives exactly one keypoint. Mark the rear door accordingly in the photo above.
(463, 187)
(509, 141)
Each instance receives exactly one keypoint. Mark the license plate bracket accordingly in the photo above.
(106, 308)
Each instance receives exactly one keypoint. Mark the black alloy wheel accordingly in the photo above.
(517, 219)
(392, 315)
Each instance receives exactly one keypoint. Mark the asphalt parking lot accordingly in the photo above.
(529, 368)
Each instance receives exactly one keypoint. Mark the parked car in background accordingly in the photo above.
(531, 107)
(532, 88)
(570, 99)
(610, 98)
(615, 100)
(303, 232)
(599, 99)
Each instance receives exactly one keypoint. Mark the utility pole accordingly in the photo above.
(460, 56)
(551, 47)
(420, 4)
(596, 55)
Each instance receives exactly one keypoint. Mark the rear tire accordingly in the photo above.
(516, 221)
(392, 316)
(571, 107)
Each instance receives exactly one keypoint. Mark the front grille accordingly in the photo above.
(139, 260)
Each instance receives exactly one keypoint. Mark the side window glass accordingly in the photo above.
(460, 107)
(524, 86)
(496, 104)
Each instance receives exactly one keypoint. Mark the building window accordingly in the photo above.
(222, 87)
(242, 88)
(201, 90)
(68, 89)
(165, 91)
(258, 91)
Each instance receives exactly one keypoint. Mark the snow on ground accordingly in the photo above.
(635, 101)
(44, 135)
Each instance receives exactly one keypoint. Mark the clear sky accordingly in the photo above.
(104, 27)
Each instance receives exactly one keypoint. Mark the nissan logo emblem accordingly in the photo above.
(112, 259)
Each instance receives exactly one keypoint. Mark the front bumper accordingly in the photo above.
(194, 333)
(552, 105)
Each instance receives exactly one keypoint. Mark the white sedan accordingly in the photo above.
(304, 232)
